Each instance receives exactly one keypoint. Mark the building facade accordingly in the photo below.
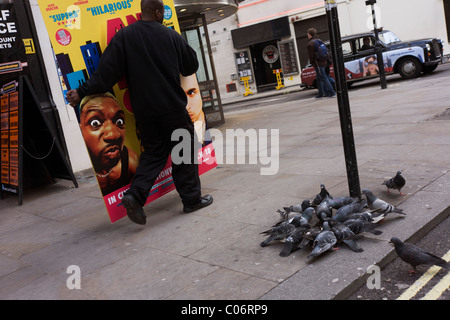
(267, 35)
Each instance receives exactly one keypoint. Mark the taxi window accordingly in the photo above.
(346, 48)
(363, 44)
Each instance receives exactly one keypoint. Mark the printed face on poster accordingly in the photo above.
(79, 32)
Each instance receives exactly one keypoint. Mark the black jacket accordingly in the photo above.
(151, 57)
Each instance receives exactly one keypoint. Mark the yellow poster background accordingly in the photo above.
(70, 24)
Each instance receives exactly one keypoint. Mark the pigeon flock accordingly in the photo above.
(326, 222)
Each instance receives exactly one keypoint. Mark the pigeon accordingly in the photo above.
(339, 202)
(416, 256)
(310, 236)
(365, 216)
(321, 195)
(360, 225)
(298, 208)
(277, 233)
(344, 234)
(324, 211)
(396, 183)
(342, 213)
(299, 219)
(292, 242)
(324, 241)
(380, 205)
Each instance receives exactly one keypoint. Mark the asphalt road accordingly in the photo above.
(396, 281)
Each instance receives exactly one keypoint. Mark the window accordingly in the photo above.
(347, 48)
(364, 43)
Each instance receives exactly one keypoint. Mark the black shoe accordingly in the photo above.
(134, 210)
(319, 96)
(204, 202)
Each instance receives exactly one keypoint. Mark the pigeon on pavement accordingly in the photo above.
(310, 236)
(416, 256)
(338, 202)
(396, 183)
(299, 219)
(321, 195)
(360, 225)
(354, 207)
(324, 211)
(365, 216)
(278, 233)
(344, 234)
(298, 208)
(324, 241)
(293, 240)
(378, 204)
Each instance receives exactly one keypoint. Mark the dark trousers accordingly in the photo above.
(156, 141)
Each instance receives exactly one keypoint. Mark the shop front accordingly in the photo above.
(271, 50)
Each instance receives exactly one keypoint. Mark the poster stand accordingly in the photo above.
(40, 156)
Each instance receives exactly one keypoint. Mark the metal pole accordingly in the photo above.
(343, 99)
(377, 47)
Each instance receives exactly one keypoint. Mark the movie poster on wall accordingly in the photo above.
(79, 32)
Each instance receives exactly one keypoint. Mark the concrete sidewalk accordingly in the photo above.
(214, 253)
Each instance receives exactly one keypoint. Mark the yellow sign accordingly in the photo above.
(29, 46)
(279, 81)
(247, 86)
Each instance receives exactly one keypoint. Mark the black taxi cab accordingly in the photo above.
(407, 58)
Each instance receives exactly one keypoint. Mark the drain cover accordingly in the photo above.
(445, 115)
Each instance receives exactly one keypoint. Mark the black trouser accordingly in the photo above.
(157, 146)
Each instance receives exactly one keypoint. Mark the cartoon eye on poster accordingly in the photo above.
(80, 31)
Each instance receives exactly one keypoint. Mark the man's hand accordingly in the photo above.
(73, 98)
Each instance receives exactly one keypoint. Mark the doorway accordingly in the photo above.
(266, 59)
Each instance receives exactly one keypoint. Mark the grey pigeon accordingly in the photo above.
(324, 241)
(338, 202)
(299, 219)
(365, 216)
(344, 234)
(308, 213)
(277, 233)
(321, 195)
(298, 208)
(416, 256)
(293, 240)
(342, 213)
(360, 225)
(396, 183)
(378, 204)
(310, 236)
(324, 211)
